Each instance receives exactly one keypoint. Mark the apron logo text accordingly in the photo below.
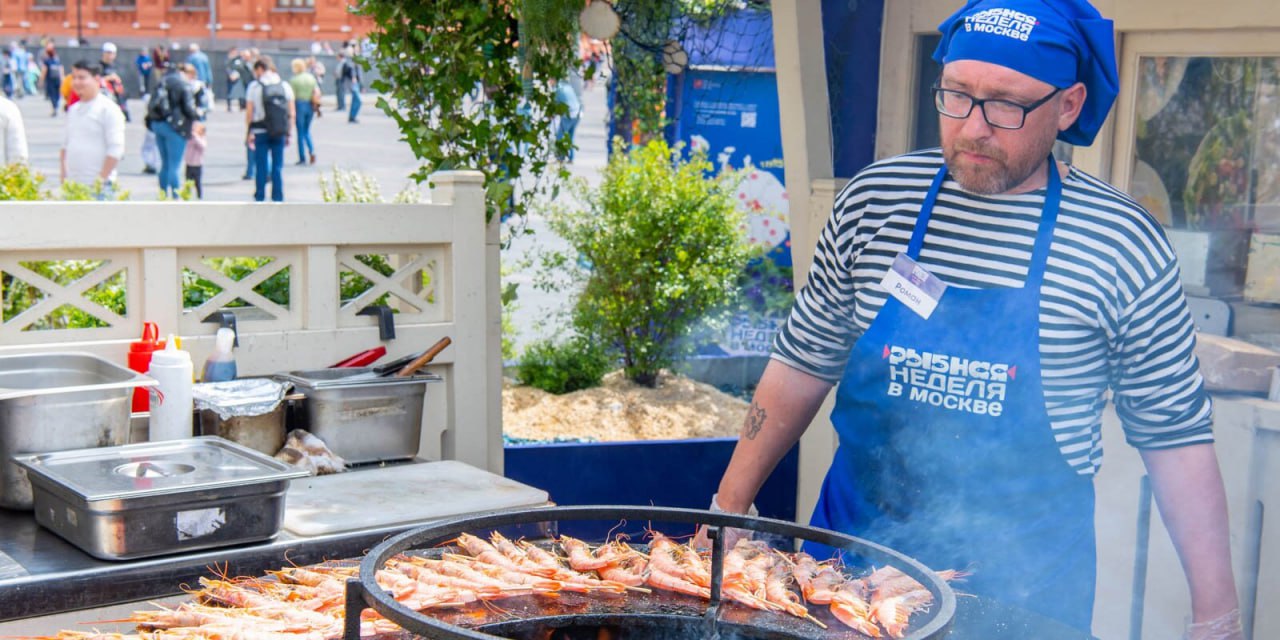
(950, 382)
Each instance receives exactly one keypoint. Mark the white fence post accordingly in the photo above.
(477, 372)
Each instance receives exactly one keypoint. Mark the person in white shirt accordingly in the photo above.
(13, 132)
(94, 141)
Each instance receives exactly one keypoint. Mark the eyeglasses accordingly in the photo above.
(1001, 114)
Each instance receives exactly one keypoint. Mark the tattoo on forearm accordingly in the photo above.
(755, 421)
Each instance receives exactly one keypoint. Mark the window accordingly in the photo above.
(1207, 140)
(49, 4)
(1197, 141)
(191, 4)
(118, 4)
(295, 4)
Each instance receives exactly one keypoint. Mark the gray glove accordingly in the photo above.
(1224, 627)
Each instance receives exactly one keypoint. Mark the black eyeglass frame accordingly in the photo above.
(981, 104)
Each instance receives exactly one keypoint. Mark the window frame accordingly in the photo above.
(1235, 43)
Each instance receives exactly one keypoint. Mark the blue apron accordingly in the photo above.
(946, 451)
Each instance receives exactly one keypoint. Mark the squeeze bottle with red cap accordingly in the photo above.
(140, 360)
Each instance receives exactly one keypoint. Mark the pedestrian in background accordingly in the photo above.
(159, 62)
(13, 132)
(8, 68)
(111, 80)
(22, 62)
(94, 141)
(194, 158)
(356, 84)
(567, 123)
(170, 114)
(231, 72)
(306, 99)
(144, 64)
(247, 58)
(318, 70)
(342, 78)
(51, 76)
(200, 93)
(269, 118)
(200, 60)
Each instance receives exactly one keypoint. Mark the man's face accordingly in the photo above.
(108, 57)
(988, 160)
(85, 84)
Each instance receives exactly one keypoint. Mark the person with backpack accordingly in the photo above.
(269, 116)
(51, 76)
(170, 112)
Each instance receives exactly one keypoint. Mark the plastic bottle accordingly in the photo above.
(221, 365)
(171, 418)
(140, 360)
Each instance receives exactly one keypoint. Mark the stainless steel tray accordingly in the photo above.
(155, 498)
(57, 401)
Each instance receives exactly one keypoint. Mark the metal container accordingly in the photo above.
(57, 401)
(154, 498)
(248, 411)
(362, 418)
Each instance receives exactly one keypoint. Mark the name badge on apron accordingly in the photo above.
(913, 286)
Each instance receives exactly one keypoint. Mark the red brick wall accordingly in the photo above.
(158, 20)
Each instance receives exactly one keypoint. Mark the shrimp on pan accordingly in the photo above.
(854, 612)
(659, 579)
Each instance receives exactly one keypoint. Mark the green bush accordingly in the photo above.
(576, 364)
(663, 248)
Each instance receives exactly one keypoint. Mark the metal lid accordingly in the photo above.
(35, 374)
(156, 468)
(350, 376)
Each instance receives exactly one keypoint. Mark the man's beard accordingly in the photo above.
(998, 176)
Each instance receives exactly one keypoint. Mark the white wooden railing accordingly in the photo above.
(445, 283)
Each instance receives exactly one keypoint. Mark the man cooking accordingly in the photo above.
(975, 304)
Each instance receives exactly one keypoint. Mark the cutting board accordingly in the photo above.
(403, 494)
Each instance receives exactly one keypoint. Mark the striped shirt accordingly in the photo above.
(1112, 311)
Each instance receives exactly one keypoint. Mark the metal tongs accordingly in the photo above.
(403, 366)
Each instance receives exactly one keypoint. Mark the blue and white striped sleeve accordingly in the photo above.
(1160, 395)
(820, 331)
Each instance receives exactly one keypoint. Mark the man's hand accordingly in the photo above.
(1188, 489)
(731, 535)
(1225, 627)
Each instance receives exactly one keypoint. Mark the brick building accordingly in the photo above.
(263, 22)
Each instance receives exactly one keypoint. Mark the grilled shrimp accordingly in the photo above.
(484, 552)
(894, 613)
(854, 612)
(662, 580)
(581, 557)
(630, 569)
(895, 586)
(778, 590)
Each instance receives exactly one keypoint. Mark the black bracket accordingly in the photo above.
(386, 320)
(225, 319)
(354, 606)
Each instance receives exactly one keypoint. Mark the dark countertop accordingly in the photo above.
(40, 573)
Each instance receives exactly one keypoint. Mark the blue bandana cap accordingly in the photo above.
(1060, 42)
